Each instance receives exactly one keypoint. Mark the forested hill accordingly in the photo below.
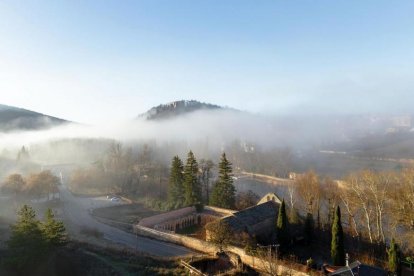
(173, 109)
(13, 119)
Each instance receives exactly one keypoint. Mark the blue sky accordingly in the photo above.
(93, 61)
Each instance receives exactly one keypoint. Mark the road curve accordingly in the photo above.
(77, 216)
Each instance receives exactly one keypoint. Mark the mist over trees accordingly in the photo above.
(36, 185)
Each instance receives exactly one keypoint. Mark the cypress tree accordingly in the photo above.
(224, 193)
(175, 188)
(337, 243)
(53, 231)
(282, 227)
(393, 257)
(192, 186)
(309, 224)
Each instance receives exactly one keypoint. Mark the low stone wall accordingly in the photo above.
(206, 247)
(196, 244)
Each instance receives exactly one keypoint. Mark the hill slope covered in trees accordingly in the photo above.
(13, 118)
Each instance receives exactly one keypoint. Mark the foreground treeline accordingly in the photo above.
(32, 240)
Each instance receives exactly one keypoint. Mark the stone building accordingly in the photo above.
(258, 221)
(270, 197)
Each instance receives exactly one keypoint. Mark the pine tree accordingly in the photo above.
(337, 243)
(192, 186)
(175, 188)
(26, 244)
(393, 257)
(53, 231)
(224, 192)
(282, 227)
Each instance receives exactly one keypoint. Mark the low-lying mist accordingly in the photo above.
(213, 128)
(206, 132)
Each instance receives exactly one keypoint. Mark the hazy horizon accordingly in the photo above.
(94, 62)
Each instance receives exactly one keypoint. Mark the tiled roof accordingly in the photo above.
(242, 220)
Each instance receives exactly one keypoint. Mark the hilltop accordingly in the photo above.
(176, 108)
(14, 118)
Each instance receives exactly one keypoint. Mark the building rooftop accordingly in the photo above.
(358, 269)
(241, 221)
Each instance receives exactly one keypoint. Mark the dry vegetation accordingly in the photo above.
(85, 259)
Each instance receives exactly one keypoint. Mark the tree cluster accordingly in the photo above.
(35, 185)
(185, 187)
(124, 171)
(377, 207)
(32, 239)
(189, 183)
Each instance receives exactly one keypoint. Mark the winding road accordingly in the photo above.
(77, 216)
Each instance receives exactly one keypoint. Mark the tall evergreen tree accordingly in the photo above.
(175, 188)
(282, 227)
(192, 186)
(393, 263)
(224, 193)
(26, 244)
(308, 231)
(53, 231)
(337, 243)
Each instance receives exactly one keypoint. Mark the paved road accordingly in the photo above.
(76, 214)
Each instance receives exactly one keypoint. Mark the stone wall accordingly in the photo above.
(206, 247)
(189, 242)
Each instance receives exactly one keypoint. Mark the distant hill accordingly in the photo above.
(13, 118)
(177, 108)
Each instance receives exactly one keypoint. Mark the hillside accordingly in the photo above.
(176, 108)
(13, 118)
